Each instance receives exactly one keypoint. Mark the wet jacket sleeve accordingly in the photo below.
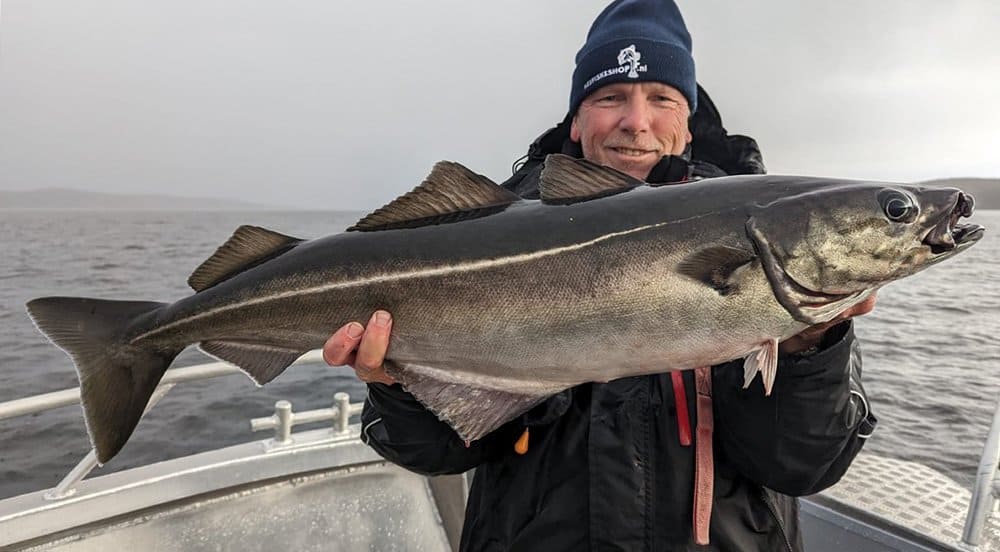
(402, 431)
(802, 438)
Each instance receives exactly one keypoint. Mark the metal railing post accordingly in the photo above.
(284, 419)
(66, 487)
(983, 500)
(343, 401)
(283, 427)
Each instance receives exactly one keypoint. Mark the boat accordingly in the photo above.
(324, 489)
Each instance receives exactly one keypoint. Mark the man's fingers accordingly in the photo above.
(339, 349)
(362, 348)
(865, 306)
(371, 351)
(382, 377)
(369, 363)
(860, 309)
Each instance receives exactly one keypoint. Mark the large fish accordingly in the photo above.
(500, 302)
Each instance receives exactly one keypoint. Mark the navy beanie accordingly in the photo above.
(635, 41)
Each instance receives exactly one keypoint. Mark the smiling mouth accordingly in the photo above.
(948, 235)
(631, 152)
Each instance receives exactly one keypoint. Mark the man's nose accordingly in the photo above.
(635, 118)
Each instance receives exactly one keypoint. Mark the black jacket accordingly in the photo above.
(605, 469)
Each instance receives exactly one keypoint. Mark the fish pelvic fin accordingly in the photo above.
(116, 378)
(764, 360)
(472, 409)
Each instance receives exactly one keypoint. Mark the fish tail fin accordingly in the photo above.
(116, 378)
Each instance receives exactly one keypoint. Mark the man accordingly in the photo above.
(612, 466)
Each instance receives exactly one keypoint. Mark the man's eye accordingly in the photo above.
(610, 98)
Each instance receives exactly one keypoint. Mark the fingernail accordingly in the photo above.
(382, 318)
(354, 330)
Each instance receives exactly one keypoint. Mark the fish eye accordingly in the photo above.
(898, 206)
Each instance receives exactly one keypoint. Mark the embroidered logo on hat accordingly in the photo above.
(628, 61)
(631, 56)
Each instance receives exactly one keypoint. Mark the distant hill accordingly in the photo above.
(58, 198)
(985, 190)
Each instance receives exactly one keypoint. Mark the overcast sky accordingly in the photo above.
(345, 105)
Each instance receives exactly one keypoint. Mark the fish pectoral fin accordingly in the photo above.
(718, 267)
(248, 247)
(451, 193)
(764, 360)
(566, 180)
(260, 361)
(472, 409)
(820, 312)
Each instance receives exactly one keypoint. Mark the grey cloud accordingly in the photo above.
(348, 104)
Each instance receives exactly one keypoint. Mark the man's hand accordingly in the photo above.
(813, 336)
(362, 348)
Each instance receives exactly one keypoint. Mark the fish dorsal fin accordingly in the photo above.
(449, 194)
(249, 246)
(567, 180)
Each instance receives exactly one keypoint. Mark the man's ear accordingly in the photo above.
(574, 130)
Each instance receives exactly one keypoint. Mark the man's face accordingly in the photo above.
(630, 126)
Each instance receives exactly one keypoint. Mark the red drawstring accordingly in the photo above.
(704, 462)
(681, 404)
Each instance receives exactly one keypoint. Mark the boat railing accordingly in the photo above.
(986, 492)
(985, 497)
(281, 421)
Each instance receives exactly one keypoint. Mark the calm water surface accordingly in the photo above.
(931, 350)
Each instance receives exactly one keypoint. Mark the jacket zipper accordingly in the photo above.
(777, 519)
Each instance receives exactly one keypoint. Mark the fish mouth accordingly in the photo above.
(948, 235)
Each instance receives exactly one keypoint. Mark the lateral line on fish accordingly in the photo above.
(420, 273)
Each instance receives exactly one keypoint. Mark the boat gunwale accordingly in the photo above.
(32, 516)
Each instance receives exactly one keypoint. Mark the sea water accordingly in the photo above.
(931, 370)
